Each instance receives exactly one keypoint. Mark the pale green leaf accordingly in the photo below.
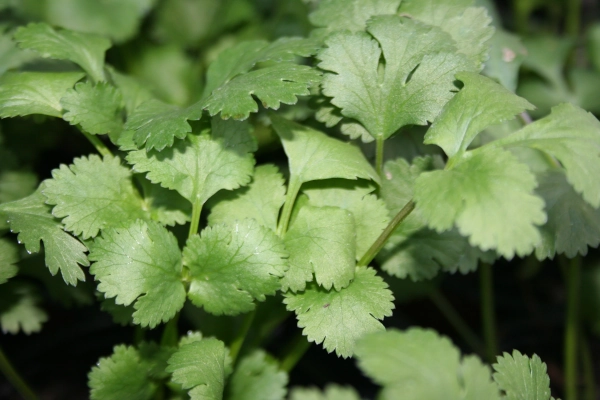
(488, 195)
(15, 185)
(572, 135)
(230, 266)
(434, 12)
(332, 392)
(165, 206)
(336, 15)
(521, 377)
(280, 83)
(312, 155)
(321, 241)
(202, 164)
(506, 56)
(481, 103)
(203, 367)
(331, 116)
(10, 55)
(32, 219)
(410, 88)
(26, 93)
(9, 255)
(93, 194)
(19, 310)
(140, 263)
(257, 377)
(339, 318)
(260, 200)
(84, 49)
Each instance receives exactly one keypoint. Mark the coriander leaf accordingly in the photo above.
(332, 392)
(312, 155)
(202, 164)
(257, 377)
(369, 212)
(331, 116)
(572, 225)
(230, 266)
(477, 381)
(434, 12)
(140, 263)
(84, 49)
(32, 220)
(260, 200)
(336, 15)
(123, 375)
(488, 195)
(546, 55)
(412, 86)
(521, 377)
(93, 194)
(120, 314)
(15, 185)
(10, 55)
(133, 91)
(321, 240)
(9, 255)
(165, 206)
(506, 56)
(26, 93)
(339, 318)
(572, 135)
(481, 103)
(19, 311)
(273, 85)
(201, 366)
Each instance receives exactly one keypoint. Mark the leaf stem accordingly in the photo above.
(297, 349)
(15, 379)
(572, 327)
(238, 341)
(195, 222)
(488, 312)
(290, 198)
(385, 235)
(588, 369)
(379, 154)
(459, 324)
(170, 335)
(97, 143)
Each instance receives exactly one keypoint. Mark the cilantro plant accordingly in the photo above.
(252, 163)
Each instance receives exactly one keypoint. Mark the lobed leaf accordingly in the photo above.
(521, 377)
(19, 309)
(337, 15)
(257, 377)
(165, 206)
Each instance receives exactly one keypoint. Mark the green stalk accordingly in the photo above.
(195, 223)
(459, 324)
(488, 312)
(572, 328)
(379, 155)
(385, 235)
(170, 335)
(588, 369)
(236, 345)
(573, 18)
(15, 379)
(290, 198)
(97, 143)
(296, 350)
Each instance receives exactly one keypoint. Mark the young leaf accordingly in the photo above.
(257, 377)
(95, 107)
(321, 241)
(32, 220)
(202, 164)
(26, 93)
(260, 200)
(166, 206)
(93, 194)
(201, 366)
(312, 155)
(84, 49)
(521, 377)
(19, 311)
(332, 392)
(339, 318)
(140, 263)
(230, 266)
(9, 255)
(480, 103)
(416, 81)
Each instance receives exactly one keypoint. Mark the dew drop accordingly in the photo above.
(28, 252)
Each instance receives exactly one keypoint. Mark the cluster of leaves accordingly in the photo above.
(376, 71)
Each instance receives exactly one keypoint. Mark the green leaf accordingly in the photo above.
(369, 212)
(202, 164)
(410, 89)
(332, 392)
(122, 315)
(420, 364)
(480, 103)
(19, 311)
(10, 55)
(572, 135)
(321, 241)
(546, 55)
(273, 85)
(506, 56)
(572, 225)
(9, 255)
(85, 50)
(123, 375)
(312, 155)
(26, 93)
(339, 318)
(488, 195)
(336, 15)
(257, 377)
(15, 185)
(203, 367)
(32, 220)
(260, 200)
(521, 377)
(96, 108)
(165, 206)
(140, 263)
(230, 266)
(93, 194)
(134, 92)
